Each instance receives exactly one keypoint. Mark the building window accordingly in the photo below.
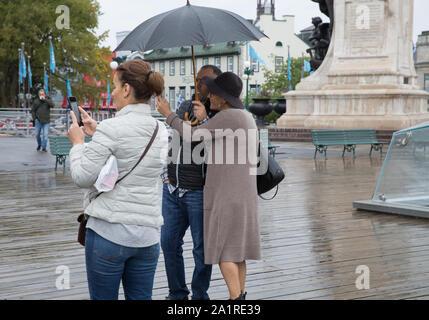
(255, 89)
(172, 68)
(162, 67)
(230, 64)
(172, 97)
(217, 62)
(182, 67)
(152, 66)
(205, 61)
(255, 65)
(182, 93)
(279, 65)
(192, 91)
(426, 83)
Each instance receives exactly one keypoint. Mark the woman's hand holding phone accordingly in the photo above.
(75, 134)
(89, 124)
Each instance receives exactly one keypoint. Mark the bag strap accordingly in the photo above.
(277, 190)
(141, 158)
(144, 153)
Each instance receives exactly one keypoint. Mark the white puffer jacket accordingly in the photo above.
(137, 199)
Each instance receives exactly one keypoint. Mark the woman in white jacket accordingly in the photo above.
(123, 230)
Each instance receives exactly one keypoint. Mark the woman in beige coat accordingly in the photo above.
(231, 228)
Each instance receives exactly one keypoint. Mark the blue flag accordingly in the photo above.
(289, 75)
(46, 83)
(180, 100)
(108, 93)
(307, 66)
(69, 92)
(30, 81)
(52, 64)
(22, 68)
(255, 56)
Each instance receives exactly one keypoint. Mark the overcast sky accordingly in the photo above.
(125, 15)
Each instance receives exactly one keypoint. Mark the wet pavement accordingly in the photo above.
(313, 242)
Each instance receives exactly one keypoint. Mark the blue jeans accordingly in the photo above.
(44, 128)
(107, 263)
(179, 214)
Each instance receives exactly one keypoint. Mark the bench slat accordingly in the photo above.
(348, 138)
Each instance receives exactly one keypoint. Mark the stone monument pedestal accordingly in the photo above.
(367, 79)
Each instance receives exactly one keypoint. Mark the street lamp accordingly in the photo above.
(248, 72)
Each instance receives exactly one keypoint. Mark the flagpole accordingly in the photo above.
(28, 97)
(45, 83)
(67, 76)
(19, 77)
(23, 82)
(29, 74)
(108, 93)
(50, 58)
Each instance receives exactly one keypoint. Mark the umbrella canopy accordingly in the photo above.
(188, 26)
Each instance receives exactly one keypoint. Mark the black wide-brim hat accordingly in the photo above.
(227, 86)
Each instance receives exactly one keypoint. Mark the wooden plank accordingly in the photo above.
(312, 239)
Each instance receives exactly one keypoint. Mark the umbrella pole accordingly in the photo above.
(195, 74)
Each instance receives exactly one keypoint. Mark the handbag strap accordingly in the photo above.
(141, 158)
(144, 153)
(277, 190)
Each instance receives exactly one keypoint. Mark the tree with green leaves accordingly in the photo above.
(32, 23)
(276, 84)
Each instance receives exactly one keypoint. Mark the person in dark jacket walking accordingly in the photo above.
(41, 113)
(183, 207)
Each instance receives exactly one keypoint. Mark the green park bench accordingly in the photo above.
(264, 138)
(60, 147)
(322, 139)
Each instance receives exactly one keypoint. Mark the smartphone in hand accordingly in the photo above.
(72, 105)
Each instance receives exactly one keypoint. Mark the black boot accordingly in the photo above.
(38, 148)
(240, 297)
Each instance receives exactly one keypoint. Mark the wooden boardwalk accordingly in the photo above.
(312, 239)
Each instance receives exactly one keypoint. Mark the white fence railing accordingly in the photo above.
(18, 122)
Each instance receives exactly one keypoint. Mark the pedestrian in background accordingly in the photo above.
(41, 113)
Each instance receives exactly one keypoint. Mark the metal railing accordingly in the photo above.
(18, 122)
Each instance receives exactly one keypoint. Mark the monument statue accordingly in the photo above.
(367, 79)
(327, 7)
(321, 37)
(320, 40)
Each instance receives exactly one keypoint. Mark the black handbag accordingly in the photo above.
(273, 175)
(83, 218)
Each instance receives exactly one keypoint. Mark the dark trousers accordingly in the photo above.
(180, 214)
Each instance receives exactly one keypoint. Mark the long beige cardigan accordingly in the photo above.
(231, 228)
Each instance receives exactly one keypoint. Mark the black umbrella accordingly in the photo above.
(188, 26)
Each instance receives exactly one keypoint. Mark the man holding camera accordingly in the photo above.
(41, 113)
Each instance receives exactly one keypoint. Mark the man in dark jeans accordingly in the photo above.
(182, 207)
(41, 113)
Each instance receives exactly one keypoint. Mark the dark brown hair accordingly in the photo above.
(138, 75)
